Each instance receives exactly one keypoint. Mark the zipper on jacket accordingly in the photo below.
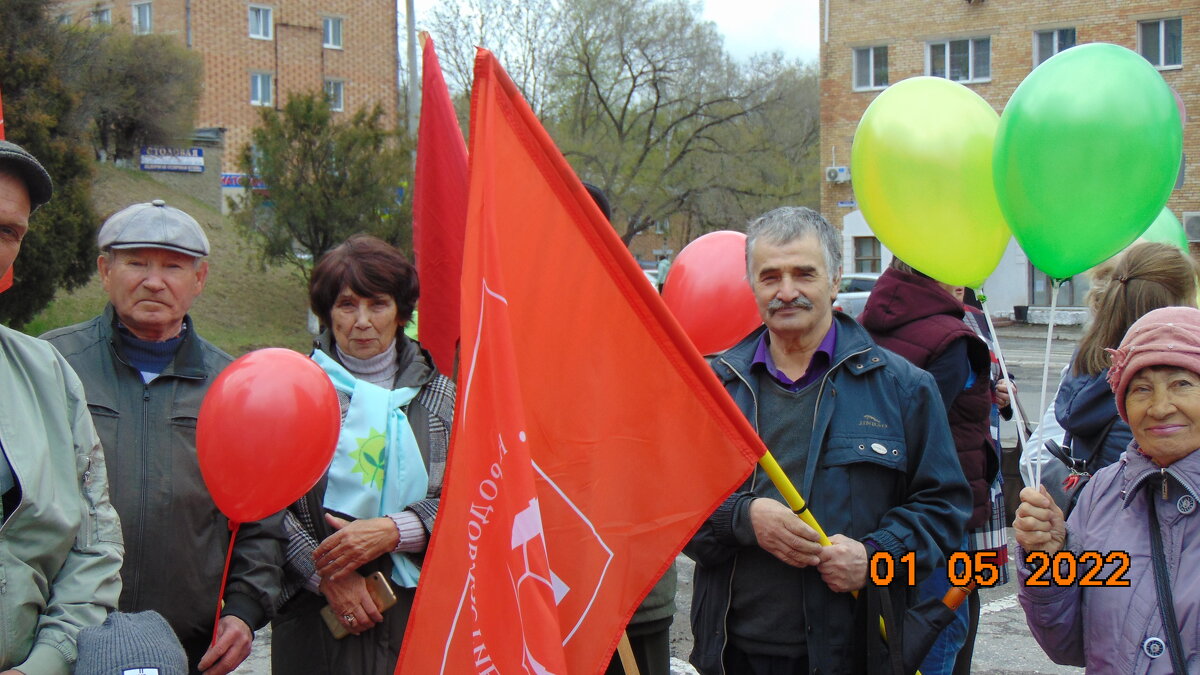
(135, 593)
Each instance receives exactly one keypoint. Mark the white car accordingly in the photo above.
(854, 291)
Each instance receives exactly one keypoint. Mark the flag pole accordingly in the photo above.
(628, 662)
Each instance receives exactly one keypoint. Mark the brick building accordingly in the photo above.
(256, 53)
(990, 46)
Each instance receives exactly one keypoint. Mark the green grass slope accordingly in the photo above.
(243, 307)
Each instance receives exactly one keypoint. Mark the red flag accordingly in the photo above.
(590, 440)
(6, 279)
(439, 213)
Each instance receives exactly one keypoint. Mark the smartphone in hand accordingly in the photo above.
(380, 590)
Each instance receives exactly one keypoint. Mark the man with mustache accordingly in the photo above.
(146, 371)
(861, 433)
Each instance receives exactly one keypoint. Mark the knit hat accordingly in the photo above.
(137, 644)
(1169, 336)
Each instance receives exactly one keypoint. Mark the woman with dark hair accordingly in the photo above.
(373, 510)
(1146, 277)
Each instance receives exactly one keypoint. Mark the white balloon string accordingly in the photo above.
(1018, 414)
(1055, 284)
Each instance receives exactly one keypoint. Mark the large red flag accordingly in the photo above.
(590, 440)
(439, 213)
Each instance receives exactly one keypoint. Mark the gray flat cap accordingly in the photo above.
(153, 225)
(37, 181)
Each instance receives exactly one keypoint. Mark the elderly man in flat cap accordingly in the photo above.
(60, 552)
(146, 371)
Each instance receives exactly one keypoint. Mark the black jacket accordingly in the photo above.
(911, 497)
(175, 537)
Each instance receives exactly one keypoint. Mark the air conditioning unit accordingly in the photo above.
(837, 174)
(1191, 225)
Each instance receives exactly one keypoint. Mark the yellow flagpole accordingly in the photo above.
(792, 496)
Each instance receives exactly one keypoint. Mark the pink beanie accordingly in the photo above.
(1169, 336)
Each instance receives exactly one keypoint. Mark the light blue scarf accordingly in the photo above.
(375, 472)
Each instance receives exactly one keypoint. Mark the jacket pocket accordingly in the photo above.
(862, 479)
(106, 420)
(889, 453)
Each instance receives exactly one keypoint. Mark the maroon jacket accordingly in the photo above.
(914, 317)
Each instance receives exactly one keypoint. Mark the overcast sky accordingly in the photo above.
(749, 26)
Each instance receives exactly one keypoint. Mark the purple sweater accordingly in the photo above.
(1103, 627)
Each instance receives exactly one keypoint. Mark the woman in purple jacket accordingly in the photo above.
(1089, 584)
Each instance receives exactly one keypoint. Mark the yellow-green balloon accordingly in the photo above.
(922, 171)
(1086, 156)
(1166, 230)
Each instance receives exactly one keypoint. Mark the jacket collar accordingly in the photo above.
(854, 346)
(1137, 469)
(414, 363)
(188, 361)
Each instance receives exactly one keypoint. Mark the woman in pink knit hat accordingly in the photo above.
(1114, 587)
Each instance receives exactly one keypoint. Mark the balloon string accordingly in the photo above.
(1055, 284)
(233, 530)
(1018, 413)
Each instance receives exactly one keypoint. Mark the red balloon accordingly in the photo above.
(707, 291)
(266, 433)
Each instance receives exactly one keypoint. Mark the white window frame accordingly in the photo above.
(338, 103)
(266, 29)
(138, 28)
(102, 16)
(332, 41)
(256, 83)
(1056, 36)
(872, 85)
(65, 19)
(873, 263)
(1162, 43)
(972, 77)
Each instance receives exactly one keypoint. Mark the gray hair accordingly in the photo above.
(786, 223)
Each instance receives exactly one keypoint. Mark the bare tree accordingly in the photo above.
(525, 35)
(660, 116)
(645, 102)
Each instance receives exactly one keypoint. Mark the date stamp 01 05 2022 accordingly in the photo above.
(1065, 568)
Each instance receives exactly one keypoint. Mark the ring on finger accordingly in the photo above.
(349, 618)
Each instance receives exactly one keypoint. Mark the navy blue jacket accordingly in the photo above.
(912, 497)
(1085, 407)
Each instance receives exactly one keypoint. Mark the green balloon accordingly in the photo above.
(1087, 153)
(1166, 230)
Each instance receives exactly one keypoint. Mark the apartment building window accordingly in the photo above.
(1161, 42)
(871, 67)
(260, 88)
(335, 93)
(261, 26)
(143, 18)
(332, 30)
(65, 19)
(867, 255)
(102, 16)
(967, 60)
(1047, 43)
